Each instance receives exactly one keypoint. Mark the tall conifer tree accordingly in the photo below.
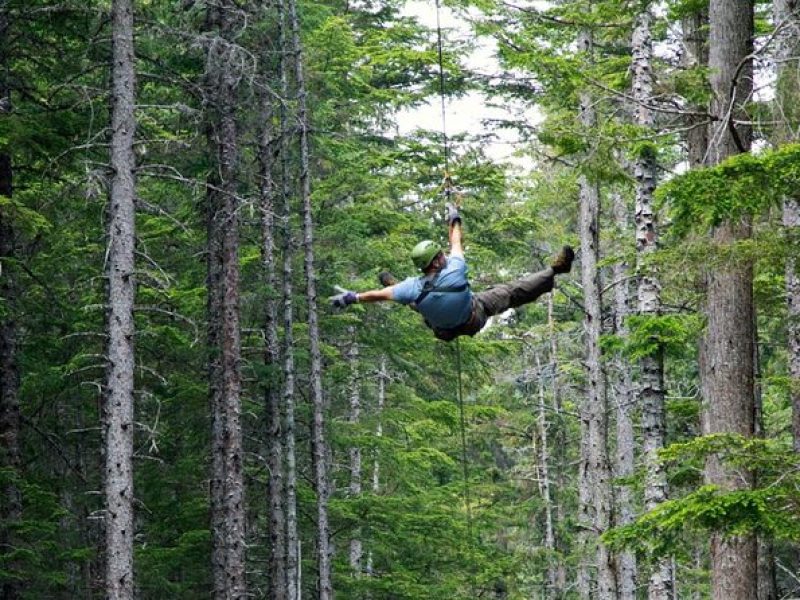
(726, 361)
(10, 501)
(651, 366)
(595, 476)
(621, 389)
(318, 440)
(268, 192)
(356, 545)
(293, 564)
(227, 477)
(119, 409)
(787, 117)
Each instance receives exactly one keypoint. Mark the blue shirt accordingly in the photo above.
(443, 310)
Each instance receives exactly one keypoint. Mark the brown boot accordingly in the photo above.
(386, 278)
(562, 263)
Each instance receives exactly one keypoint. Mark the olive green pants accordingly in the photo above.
(500, 298)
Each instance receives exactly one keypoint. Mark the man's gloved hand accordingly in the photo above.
(452, 214)
(343, 299)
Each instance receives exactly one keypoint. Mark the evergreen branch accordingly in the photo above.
(48, 437)
(151, 209)
(654, 107)
(559, 21)
(172, 314)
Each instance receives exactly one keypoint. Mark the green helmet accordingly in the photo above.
(424, 252)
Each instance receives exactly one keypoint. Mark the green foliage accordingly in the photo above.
(651, 334)
(741, 187)
(769, 509)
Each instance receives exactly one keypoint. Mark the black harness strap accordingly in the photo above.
(429, 288)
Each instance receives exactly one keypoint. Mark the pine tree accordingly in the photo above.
(651, 367)
(10, 500)
(318, 440)
(119, 387)
(268, 193)
(227, 484)
(787, 90)
(595, 477)
(355, 487)
(726, 363)
(623, 394)
(293, 564)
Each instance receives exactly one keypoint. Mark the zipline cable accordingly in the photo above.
(445, 143)
(447, 192)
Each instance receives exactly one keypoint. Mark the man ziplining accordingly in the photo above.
(442, 294)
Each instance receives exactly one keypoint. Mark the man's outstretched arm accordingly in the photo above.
(347, 297)
(380, 295)
(454, 223)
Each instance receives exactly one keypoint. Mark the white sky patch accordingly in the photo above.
(473, 113)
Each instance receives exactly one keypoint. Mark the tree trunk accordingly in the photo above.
(120, 326)
(726, 364)
(594, 476)
(318, 441)
(622, 394)
(695, 54)
(383, 377)
(787, 115)
(287, 292)
(791, 222)
(356, 546)
(551, 580)
(767, 580)
(292, 538)
(10, 500)
(272, 391)
(651, 368)
(559, 452)
(227, 483)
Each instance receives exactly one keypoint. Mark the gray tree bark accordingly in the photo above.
(651, 368)
(787, 115)
(119, 385)
(293, 564)
(695, 54)
(272, 391)
(559, 451)
(356, 545)
(10, 501)
(227, 478)
(622, 394)
(594, 471)
(791, 222)
(726, 357)
(551, 582)
(383, 378)
(318, 441)
(767, 580)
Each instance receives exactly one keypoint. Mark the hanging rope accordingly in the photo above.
(464, 463)
(448, 187)
(445, 143)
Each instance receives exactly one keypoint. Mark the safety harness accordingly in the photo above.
(428, 288)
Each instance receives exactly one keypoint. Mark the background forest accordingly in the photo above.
(183, 415)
